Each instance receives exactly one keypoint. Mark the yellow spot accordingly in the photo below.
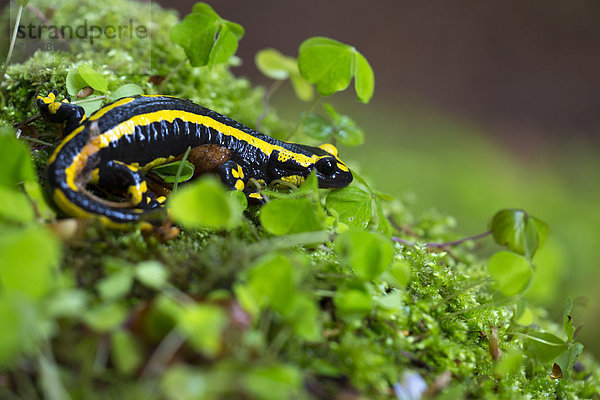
(53, 107)
(293, 179)
(161, 199)
(131, 167)
(95, 176)
(48, 99)
(342, 167)
(241, 171)
(331, 149)
(109, 107)
(239, 185)
(235, 173)
(255, 195)
(136, 193)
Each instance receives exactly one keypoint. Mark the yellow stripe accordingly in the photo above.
(127, 128)
(158, 95)
(62, 144)
(112, 106)
(68, 207)
(342, 166)
(72, 171)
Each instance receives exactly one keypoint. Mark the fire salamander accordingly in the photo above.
(117, 144)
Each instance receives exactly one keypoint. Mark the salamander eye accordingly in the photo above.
(326, 166)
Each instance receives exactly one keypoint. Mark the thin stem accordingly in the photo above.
(46, 21)
(13, 39)
(310, 109)
(18, 125)
(460, 241)
(272, 89)
(180, 169)
(168, 77)
(38, 141)
(535, 338)
(89, 99)
(443, 244)
(163, 354)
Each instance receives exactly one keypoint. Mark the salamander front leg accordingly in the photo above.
(116, 176)
(232, 175)
(59, 111)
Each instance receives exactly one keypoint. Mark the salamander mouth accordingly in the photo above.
(338, 180)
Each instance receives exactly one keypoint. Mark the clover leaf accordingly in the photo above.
(331, 65)
(206, 38)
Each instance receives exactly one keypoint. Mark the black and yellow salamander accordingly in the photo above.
(117, 144)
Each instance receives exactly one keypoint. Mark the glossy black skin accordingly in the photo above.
(162, 139)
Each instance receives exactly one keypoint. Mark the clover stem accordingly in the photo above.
(444, 244)
(272, 89)
(13, 39)
(310, 109)
(180, 169)
(161, 86)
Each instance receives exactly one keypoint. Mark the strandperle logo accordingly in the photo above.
(83, 31)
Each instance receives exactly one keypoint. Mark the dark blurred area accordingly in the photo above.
(520, 67)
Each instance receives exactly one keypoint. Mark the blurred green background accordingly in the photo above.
(478, 106)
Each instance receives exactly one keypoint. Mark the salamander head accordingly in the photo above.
(331, 171)
(53, 110)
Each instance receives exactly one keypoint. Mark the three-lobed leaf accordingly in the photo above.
(206, 38)
(518, 231)
(330, 65)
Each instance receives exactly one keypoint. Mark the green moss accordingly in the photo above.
(439, 322)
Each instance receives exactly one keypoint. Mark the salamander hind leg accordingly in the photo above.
(116, 176)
